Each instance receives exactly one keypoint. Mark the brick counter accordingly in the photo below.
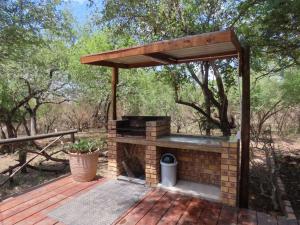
(214, 164)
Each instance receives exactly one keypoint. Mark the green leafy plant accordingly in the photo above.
(83, 146)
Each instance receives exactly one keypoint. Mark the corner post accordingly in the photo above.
(245, 127)
(114, 82)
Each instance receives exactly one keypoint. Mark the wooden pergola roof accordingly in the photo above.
(207, 46)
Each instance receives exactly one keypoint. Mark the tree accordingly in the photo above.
(30, 85)
(23, 24)
(28, 31)
(157, 20)
(93, 84)
(291, 91)
(271, 28)
(265, 104)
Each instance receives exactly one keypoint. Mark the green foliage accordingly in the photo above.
(24, 24)
(83, 147)
(156, 20)
(91, 81)
(262, 97)
(143, 94)
(291, 86)
(271, 28)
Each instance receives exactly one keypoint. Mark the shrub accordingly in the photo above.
(83, 147)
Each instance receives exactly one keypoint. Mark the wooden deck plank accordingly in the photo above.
(158, 210)
(36, 200)
(47, 221)
(10, 203)
(247, 217)
(284, 221)
(43, 213)
(43, 205)
(193, 212)
(228, 215)
(141, 209)
(156, 207)
(210, 214)
(265, 219)
(33, 219)
(133, 207)
(175, 212)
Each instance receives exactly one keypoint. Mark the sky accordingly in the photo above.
(79, 9)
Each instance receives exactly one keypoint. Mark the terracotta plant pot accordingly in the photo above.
(83, 166)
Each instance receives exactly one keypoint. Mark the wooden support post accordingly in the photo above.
(245, 127)
(11, 179)
(114, 82)
(72, 137)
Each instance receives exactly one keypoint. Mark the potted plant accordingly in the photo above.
(83, 158)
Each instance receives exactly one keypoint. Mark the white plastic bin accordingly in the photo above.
(168, 165)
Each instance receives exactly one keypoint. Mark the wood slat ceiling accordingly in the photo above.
(207, 46)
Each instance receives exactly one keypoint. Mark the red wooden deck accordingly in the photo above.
(157, 207)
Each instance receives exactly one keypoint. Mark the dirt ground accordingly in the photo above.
(260, 190)
(288, 160)
(287, 164)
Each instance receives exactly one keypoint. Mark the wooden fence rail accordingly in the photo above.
(37, 137)
(58, 136)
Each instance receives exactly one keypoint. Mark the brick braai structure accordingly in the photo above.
(210, 164)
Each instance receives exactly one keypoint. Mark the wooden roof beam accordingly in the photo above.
(225, 55)
(162, 58)
(109, 64)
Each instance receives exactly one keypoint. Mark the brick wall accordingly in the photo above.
(197, 166)
(229, 173)
(154, 129)
(114, 156)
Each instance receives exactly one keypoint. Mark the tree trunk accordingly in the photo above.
(10, 129)
(107, 114)
(217, 99)
(22, 159)
(33, 125)
(26, 127)
(298, 130)
(178, 128)
(226, 129)
(206, 98)
(3, 135)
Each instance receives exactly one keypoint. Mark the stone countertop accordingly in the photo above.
(199, 143)
(198, 140)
